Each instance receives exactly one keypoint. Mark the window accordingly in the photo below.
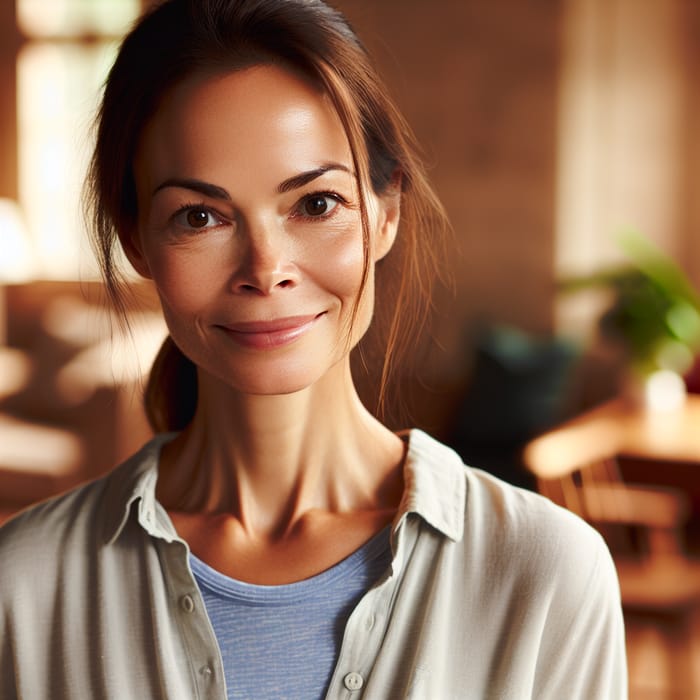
(67, 49)
(622, 161)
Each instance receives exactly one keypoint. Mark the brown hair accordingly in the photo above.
(180, 37)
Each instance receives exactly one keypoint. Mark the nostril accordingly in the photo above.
(263, 282)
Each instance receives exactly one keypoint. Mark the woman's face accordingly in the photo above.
(249, 226)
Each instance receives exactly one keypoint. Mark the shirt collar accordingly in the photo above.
(134, 482)
(435, 485)
(435, 488)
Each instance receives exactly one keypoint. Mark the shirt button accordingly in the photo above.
(353, 681)
(206, 672)
(369, 622)
(187, 603)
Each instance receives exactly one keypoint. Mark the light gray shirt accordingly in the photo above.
(493, 592)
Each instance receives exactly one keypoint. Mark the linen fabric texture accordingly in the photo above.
(492, 592)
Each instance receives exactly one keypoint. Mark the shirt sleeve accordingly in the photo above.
(584, 658)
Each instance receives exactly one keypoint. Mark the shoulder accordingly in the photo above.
(40, 547)
(561, 584)
(48, 520)
(533, 585)
(526, 516)
(49, 535)
(536, 543)
(39, 537)
(503, 527)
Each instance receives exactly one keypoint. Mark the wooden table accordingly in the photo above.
(649, 448)
(619, 428)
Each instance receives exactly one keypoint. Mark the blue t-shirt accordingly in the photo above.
(282, 642)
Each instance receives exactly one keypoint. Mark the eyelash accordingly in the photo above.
(197, 206)
(298, 210)
(338, 199)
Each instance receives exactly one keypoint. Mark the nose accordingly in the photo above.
(266, 265)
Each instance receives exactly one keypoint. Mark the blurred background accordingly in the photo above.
(563, 137)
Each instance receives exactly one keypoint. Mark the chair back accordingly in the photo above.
(638, 522)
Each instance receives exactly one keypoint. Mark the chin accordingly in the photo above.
(274, 379)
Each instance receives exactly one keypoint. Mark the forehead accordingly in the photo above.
(262, 119)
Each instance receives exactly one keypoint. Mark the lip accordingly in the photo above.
(271, 334)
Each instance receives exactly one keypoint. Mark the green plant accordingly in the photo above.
(655, 310)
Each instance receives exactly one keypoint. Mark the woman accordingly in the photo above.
(275, 540)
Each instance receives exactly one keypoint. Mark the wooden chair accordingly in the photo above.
(576, 467)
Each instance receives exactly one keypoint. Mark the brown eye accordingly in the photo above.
(197, 218)
(318, 205)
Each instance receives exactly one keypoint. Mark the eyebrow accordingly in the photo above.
(216, 192)
(305, 178)
(200, 186)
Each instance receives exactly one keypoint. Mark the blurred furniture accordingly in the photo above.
(577, 465)
(619, 428)
(70, 387)
(518, 387)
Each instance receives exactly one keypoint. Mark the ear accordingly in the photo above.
(131, 245)
(389, 215)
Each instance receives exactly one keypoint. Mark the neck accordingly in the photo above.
(270, 460)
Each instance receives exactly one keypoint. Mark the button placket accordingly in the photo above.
(203, 668)
(362, 640)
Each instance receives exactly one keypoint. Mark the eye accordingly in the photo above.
(196, 218)
(317, 206)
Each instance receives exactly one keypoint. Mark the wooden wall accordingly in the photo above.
(478, 82)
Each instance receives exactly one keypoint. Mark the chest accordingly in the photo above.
(284, 641)
(314, 546)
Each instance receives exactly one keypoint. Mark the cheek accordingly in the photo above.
(339, 265)
(185, 282)
(343, 270)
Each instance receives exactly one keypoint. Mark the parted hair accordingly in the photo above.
(178, 38)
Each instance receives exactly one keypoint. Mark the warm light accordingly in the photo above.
(664, 391)
(16, 259)
(123, 359)
(38, 449)
(15, 371)
(555, 454)
(620, 158)
(58, 88)
(60, 72)
(39, 18)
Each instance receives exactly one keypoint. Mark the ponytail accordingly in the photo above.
(171, 392)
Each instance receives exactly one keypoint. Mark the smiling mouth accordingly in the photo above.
(271, 334)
